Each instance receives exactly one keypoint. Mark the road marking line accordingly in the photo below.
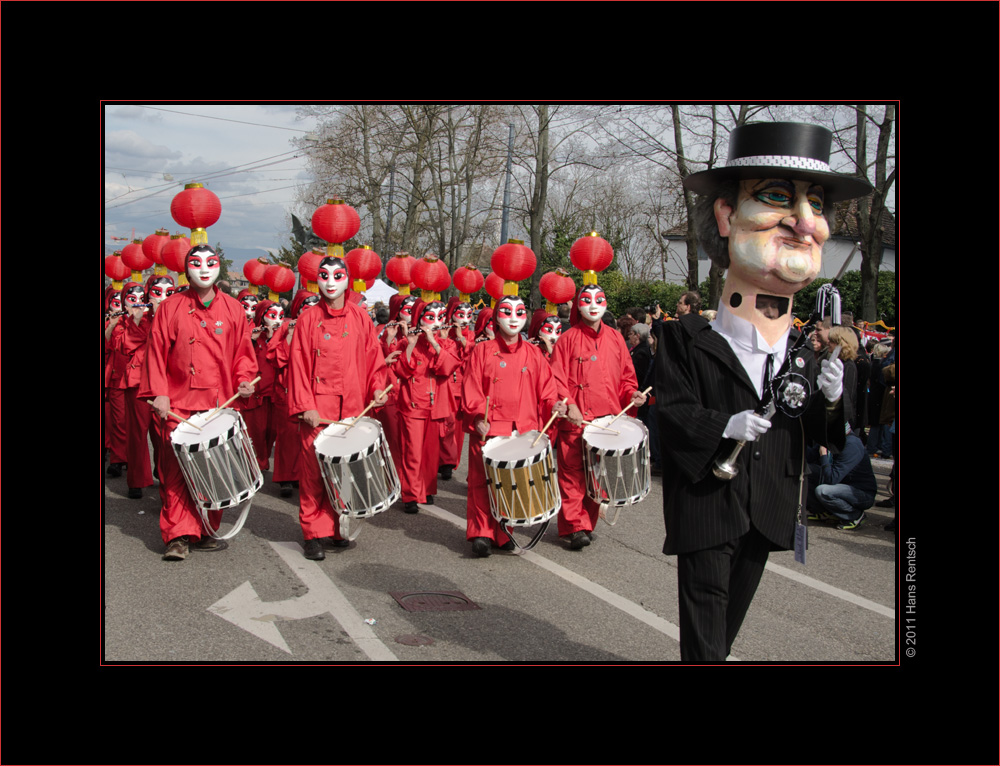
(323, 588)
(844, 595)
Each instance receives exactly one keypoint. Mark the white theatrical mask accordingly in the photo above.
(203, 266)
(511, 315)
(593, 303)
(332, 278)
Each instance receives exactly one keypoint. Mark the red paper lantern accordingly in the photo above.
(116, 270)
(590, 254)
(514, 262)
(336, 222)
(556, 287)
(363, 264)
(136, 259)
(254, 270)
(431, 275)
(398, 270)
(280, 279)
(308, 267)
(196, 208)
(494, 286)
(153, 246)
(468, 280)
(174, 253)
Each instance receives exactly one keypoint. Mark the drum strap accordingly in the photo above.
(534, 540)
(207, 525)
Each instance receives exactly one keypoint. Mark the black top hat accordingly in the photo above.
(781, 149)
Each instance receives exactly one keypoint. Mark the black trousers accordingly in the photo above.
(715, 588)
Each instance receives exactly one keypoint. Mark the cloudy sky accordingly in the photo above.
(243, 153)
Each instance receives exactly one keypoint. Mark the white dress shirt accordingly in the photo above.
(749, 347)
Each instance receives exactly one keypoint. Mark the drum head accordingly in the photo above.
(213, 431)
(517, 447)
(631, 434)
(339, 441)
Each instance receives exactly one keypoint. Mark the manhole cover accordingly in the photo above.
(433, 601)
(413, 640)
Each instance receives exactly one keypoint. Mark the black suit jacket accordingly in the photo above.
(700, 384)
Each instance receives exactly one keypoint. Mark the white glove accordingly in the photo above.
(831, 379)
(746, 426)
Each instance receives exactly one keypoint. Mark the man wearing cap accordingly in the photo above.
(762, 217)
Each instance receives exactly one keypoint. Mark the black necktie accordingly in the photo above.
(766, 387)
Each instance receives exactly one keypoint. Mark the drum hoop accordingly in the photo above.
(203, 446)
(520, 462)
(353, 457)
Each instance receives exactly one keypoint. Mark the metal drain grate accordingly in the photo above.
(433, 601)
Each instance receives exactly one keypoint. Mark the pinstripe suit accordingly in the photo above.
(723, 530)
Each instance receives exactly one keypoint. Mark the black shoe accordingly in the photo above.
(410, 506)
(115, 469)
(334, 543)
(445, 472)
(481, 546)
(578, 540)
(135, 493)
(313, 550)
(286, 489)
(889, 502)
(508, 546)
(430, 500)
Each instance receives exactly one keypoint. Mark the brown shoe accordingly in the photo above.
(177, 549)
(207, 543)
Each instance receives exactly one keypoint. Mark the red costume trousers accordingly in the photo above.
(420, 451)
(316, 514)
(287, 444)
(452, 436)
(117, 426)
(479, 517)
(578, 512)
(139, 417)
(178, 513)
(388, 416)
(261, 429)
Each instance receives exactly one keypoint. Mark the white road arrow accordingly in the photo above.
(243, 607)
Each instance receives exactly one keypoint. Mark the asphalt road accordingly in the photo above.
(260, 601)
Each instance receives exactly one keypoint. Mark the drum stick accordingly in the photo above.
(644, 393)
(598, 425)
(177, 417)
(366, 409)
(554, 416)
(486, 417)
(232, 399)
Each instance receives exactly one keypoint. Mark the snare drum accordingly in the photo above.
(219, 464)
(357, 468)
(521, 479)
(616, 464)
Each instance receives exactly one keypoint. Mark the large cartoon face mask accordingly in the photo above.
(511, 315)
(776, 233)
(273, 316)
(203, 266)
(593, 303)
(332, 278)
(433, 316)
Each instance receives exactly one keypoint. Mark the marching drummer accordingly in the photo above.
(508, 386)
(199, 355)
(336, 368)
(592, 367)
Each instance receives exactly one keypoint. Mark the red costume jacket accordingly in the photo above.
(424, 389)
(518, 381)
(197, 356)
(328, 374)
(594, 369)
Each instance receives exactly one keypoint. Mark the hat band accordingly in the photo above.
(780, 161)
